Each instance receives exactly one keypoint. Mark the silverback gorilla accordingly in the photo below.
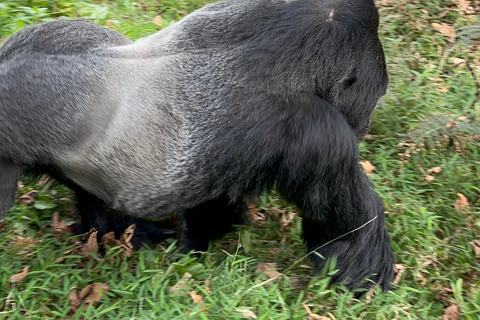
(236, 98)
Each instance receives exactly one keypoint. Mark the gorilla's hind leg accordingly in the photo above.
(208, 221)
(95, 213)
(8, 185)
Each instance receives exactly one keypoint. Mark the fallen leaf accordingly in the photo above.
(435, 170)
(127, 236)
(399, 270)
(286, 219)
(444, 89)
(157, 20)
(268, 269)
(274, 213)
(207, 286)
(196, 298)
(182, 284)
(445, 29)
(247, 313)
(108, 239)
(428, 179)
(457, 62)
(451, 313)
(465, 6)
(461, 203)
(452, 124)
(313, 316)
(462, 118)
(28, 199)
(25, 243)
(445, 295)
(476, 247)
(258, 216)
(74, 300)
(19, 276)
(91, 294)
(367, 167)
(372, 293)
(59, 226)
(91, 243)
(44, 180)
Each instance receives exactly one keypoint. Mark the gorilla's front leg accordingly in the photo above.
(208, 221)
(95, 213)
(8, 185)
(350, 229)
(343, 218)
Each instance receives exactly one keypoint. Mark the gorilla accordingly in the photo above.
(237, 98)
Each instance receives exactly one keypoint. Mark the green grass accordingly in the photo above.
(429, 236)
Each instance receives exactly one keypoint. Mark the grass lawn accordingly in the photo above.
(424, 145)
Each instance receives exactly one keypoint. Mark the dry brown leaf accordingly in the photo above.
(435, 170)
(21, 241)
(28, 199)
(182, 284)
(428, 179)
(286, 219)
(268, 269)
(91, 294)
(445, 295)
(25, 243)
(91, 243)
(108, 239)
(367, 167)
(445, 29)
(461, 203)
(457, 62)
(313, 316)
(444, 89)
(44, 180)
(399, 270)
(247, 313)
(476, 247)
(127, 236)
(196, 298)
(74, 300)
(382, 3)
(207, 286)
(451, 313)
(452, 124)
(59, 226)
(157, 20)
(258, 216)
(273, 213)
(465, 6)
(19, 276)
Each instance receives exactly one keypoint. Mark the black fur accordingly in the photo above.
(203, 116)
